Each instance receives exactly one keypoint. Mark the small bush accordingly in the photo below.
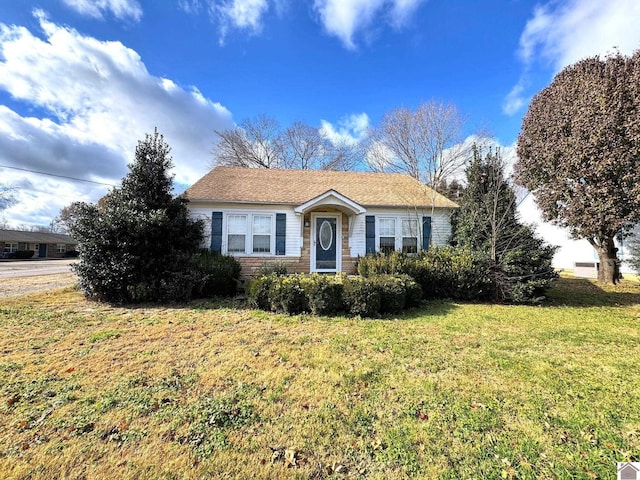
(219, 274)
(258, 291)
(276, 268)
(70, 254)
(392, 292)
(325, 294)
(413, 297)
(452, 272)
(382, 264)
(362, 297)
(23, 254)
(287, 295)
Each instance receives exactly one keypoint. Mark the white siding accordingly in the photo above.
(440, 225)
(203, 211)
(357, 239)
(570, 250)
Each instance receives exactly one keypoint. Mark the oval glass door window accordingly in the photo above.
(326, 235)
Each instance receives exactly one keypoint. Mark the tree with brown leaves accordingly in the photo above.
(579, 152)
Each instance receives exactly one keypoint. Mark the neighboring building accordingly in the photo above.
(316, 220)
(44, 245)
(572, 254)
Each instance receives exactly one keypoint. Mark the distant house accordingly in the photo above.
(316, 221)
(44, 245)
(577, 255)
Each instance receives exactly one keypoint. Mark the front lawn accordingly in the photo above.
(211, 391)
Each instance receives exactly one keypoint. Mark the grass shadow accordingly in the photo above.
(581, 292)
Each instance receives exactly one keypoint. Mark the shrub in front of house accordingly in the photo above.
(257, 290)
(277, 268)
(413, 289)
(219, 274)
(330, 295)
(70, 254)
(392, 291)
(24, 254)
(445, 272)
(325, 294)
(287, 295)
(383, 264)
(362, 296)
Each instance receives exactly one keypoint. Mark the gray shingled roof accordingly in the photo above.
(35, 237)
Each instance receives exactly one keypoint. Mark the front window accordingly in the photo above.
(387, 228)
(261, 234)
(61, 248)
(410, 235)
(236, 233)
(10, 247)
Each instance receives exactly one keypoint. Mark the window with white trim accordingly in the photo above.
(387, 235)
(398, 234)
(250, 233)
(236, 233)
(409, 235)
(61, 248)
(10, 247)
(261, 229)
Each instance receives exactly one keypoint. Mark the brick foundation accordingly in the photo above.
(251, 265)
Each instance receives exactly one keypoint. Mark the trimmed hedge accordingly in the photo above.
(326, 295)
(446, 272)
(23, 254)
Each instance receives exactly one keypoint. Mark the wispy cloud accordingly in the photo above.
(121, 9)
(98, 100)
(561, 33)
(345, 19)
(349, 130)
(246, 15)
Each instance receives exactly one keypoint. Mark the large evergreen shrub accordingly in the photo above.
(487, 222)
(136, 244)
(220, 274)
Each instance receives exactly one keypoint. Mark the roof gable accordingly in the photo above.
(296, 187)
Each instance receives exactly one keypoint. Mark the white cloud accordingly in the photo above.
(121, 9)
(346, 18)
(99, 100)
(561, 33)
(239, 14)
(350, 129)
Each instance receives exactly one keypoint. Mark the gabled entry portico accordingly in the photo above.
(325, 235)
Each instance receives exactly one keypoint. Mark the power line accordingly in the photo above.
(59, 176)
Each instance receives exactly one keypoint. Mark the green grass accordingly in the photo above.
(212, 390)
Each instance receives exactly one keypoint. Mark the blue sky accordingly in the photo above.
(82, 80)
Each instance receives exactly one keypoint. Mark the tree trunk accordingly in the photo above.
(609, 271)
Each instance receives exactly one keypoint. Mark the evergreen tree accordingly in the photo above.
(487, 221)
(136, 244)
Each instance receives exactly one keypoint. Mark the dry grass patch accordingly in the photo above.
(213, 390)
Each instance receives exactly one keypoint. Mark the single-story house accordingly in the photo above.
(316, 220)
(44, 245)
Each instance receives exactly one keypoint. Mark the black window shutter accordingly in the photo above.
(281, 233)
(370, 234)
(216, 232)
(426, 232)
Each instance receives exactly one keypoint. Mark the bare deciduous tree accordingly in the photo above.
(425, 143)
(256, 143)
(260, 143)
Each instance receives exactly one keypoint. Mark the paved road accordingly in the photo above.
(31, 268)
